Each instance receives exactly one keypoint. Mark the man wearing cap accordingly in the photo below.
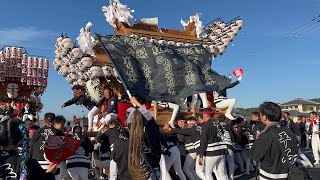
(212, 152)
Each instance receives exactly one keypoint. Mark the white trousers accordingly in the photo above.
(175, 109)
(189, 165)
(228, 103)
(315, 143)
(200, 169)
(203, 97)
(27, 116)
(164, 174)
(113, 171)
(78, 173)
(94, 111)
(174, 159)
(217, 165)
(302, 159)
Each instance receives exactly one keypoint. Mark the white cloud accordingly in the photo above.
(27, 36)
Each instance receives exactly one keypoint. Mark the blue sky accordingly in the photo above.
(280, 73)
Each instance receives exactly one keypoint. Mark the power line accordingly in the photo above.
(313, 24)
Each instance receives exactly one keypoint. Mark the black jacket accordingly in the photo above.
(152, 141)
(194, 133)
(223, 93)
(210, 141)
(37, 144)
(267, 150)
(256, 126)
(119, 146)
(187, 133)
(227, 138)
(290, 125)
(29, 111)
(112, 104)
(9, 111)
(81, 158)
(81, 100)
(10, 167)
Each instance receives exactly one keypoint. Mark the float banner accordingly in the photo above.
(161, 72)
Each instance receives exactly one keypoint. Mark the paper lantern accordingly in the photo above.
(67, 43)
(44, 82)
(239, 23)
(81, 82)
(40, 63)
(30, 62)
(2, 68)
(34, 72)
(144, 39)
(40, 73)
(23, 78)
(34, 81)
(35, 62)
(29, 82)
(39, 81)
(94, 89)
(46, 64)
(64, 70)
(24, 59)
(179, 44)
(13, 53)
(162, 42)
(12, 90)
(18, 72)
(24, 69)
(76, 53)
(107, 71)
(171, 43)
(85, 63)
(8, 52)
(72, 68)
(29, 72)
(80, 75)
(95, 72)
(221, 48)
(19, 63)
(74, 76)
(2, 77)
(45, 73)
(13, 62)
(19, 53)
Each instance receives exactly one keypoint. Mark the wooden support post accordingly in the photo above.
(155, 109)
(193, 110)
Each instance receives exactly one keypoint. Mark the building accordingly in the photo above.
(299, 107)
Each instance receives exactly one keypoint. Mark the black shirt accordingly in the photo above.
(10, 167)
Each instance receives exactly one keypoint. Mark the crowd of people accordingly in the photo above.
(203, 147)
